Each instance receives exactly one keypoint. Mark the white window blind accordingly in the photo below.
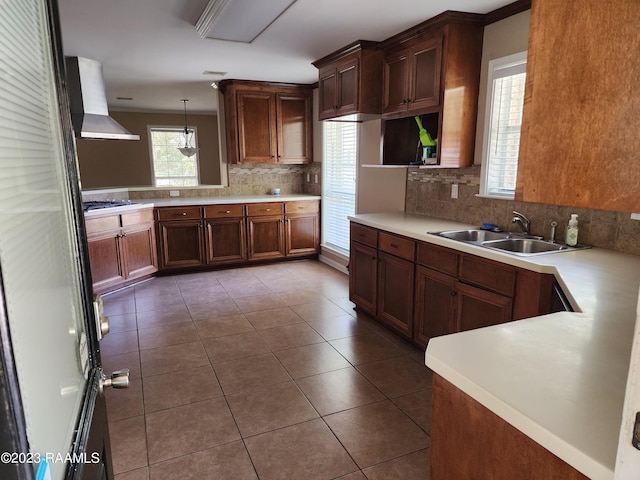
(339, 164)
(505, 99)
(170, 167)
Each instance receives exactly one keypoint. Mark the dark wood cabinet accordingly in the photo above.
(122, 248)
(350, 81)
(233, 234)
(435, 304)
(181, 243)
(268, 123)
(433, 70)
(395, 292)
(363, 277)
(226, 240)
(302, 221)
(421, 290)
(470, 441)
(225, 234)
(412, 77)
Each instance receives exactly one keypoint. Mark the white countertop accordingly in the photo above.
(178, 202)
(558, 378)
(184, 201)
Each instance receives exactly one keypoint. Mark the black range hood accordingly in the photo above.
(89, 112)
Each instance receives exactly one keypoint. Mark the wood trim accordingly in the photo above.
(356, 46)
(434, 23)
(253, 84)
(507, 11)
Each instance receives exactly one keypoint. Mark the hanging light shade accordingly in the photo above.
(187, 150)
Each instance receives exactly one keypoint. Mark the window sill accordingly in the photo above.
(495, 197)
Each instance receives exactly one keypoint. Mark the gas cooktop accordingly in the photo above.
(95, 205)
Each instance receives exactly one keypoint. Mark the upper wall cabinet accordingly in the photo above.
(412, 77)
(580, 128)
(433, 70)
(350, 81)
(268, 123)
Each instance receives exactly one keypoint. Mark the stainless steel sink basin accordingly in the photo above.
(525, 246)
(506, 242)
(472, 235)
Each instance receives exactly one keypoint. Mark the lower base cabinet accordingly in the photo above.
(234, 234)
(470, 441)
(266, 237)
(225, 241)
(439, 290)
(395, 292)
(121, 248)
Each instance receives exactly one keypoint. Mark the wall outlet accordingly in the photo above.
(308, 178)
(454, 190)
(174, 193)
(315, 178)
(635, 216)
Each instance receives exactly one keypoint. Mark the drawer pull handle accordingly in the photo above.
(227, 211)
(393, 245)
(265, 209)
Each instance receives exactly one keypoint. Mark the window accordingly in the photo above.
(170, 167)
(505, 99)
(340, 142)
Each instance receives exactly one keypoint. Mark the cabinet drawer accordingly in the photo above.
(139, 216)
(179, 213)
(487, 274)
(223, 211)
(257, 209)
(438, 258)
(100, 224)
(398, 246)
(364, 235)
(303, 207)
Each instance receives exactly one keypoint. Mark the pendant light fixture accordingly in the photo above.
(187, 150)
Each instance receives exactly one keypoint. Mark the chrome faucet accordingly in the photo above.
(524, 222)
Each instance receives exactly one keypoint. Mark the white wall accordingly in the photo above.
(502, 38)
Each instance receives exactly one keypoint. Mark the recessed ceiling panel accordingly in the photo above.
(244, 20)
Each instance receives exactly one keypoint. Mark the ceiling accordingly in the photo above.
(152, 53)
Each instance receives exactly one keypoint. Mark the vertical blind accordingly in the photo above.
(340, 141)
(507, 99)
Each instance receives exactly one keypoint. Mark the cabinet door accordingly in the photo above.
(181, 243)
(256, 127)
(294, 128)
(435, 303)
(226, 240)
(347, 77)
(363, 274)
(266, 237)
(139, 250)
(480, 308)
(327, 93)
(396, 95)
(105, 258)
(303, 234)
(395, 292)
(424, 83)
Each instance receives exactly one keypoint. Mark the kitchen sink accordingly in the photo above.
(506, 242)
(525, 246)
(473, 235)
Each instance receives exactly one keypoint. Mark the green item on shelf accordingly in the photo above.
(425, 138)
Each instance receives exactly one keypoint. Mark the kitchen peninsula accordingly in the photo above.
(559, 378)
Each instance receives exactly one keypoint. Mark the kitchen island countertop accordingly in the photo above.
(558, 378)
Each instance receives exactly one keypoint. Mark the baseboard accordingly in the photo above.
(332, 263)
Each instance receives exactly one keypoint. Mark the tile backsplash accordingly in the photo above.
(249, 180)
(429, 193)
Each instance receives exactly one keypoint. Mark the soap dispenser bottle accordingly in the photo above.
(572, 231)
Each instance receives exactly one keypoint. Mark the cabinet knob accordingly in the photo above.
(453, 293)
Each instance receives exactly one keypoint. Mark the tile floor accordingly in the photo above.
(262, 372)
